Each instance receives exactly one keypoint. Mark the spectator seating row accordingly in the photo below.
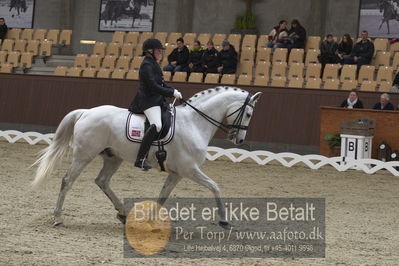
(276, 75)
(36, 47)
(279, 75)
(382, 58)
(97, 73)
(239, 42)
(137, 39)
(108, 62)
(56, 36)
(16, 59)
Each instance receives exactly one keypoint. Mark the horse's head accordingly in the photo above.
(239, 116)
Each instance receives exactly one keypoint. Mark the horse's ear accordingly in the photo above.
(256, 97)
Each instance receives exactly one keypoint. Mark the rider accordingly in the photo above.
(151, 96)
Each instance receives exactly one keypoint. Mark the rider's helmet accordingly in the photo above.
(150, 44)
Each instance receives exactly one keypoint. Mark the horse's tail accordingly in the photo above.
(56, 150)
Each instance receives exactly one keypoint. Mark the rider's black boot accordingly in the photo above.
(145, 146)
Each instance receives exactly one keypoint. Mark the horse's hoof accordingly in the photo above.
(225, 225)
(121, 218)
(58, 224)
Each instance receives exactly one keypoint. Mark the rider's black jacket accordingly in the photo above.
(152, 90)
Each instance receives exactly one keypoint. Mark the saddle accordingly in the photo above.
(137, 124)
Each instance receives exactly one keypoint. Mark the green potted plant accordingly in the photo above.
(245, 23)
(334, 143)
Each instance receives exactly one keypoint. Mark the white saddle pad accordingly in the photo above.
(135, 128)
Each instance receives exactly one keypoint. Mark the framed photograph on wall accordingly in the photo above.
(18, 13)
(380, 18)
(126, 15)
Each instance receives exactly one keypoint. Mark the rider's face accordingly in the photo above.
(158, 54)
(1, 21)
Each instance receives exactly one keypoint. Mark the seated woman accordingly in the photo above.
(210, 60)
(296, 36)
(277, 36)
(352, 101)
(345, 47)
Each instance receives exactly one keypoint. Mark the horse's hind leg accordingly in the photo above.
(170, 184)
(111, 165)
(74, 171)
(382, 23)
(198, 176)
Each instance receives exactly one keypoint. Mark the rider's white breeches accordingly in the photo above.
(153, 115)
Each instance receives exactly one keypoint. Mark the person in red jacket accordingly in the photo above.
(278, 35)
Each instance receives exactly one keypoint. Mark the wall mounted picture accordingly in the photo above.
(17, 13)
(380, 18)
(126, 15)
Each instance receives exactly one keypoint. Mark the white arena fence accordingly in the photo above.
(313, 161)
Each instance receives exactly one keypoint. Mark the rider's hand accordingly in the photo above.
(177, 94)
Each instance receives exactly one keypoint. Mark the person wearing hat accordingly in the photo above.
(227, 58)
(151, 96)
(178, 59)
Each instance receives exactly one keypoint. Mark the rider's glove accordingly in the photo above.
(177, 94)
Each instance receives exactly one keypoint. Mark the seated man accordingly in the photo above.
(227, 59)
(328, 51)
(178, 59)
(362, 52)
(195, 59)
(352, 101)
(384, 103)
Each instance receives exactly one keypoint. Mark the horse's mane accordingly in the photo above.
(206, 94)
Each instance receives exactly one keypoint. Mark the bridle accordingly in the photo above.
(226, 128)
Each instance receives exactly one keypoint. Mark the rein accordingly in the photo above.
(225, 128)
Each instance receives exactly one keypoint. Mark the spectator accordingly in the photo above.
(3, 29)
(227, 59)
(296, 36)
(277, 36)
(352, 101)
(384, 103)
(328, 51)
(195, 59)
(362, 52)
(345, 47)
(178, 59)
(395, 84)
(210, 59)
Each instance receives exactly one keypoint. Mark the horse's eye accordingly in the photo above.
(248, 115)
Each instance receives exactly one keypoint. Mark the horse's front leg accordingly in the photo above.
(170, 183)
(388, 27)
(198, 176)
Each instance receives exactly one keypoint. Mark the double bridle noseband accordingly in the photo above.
(225, 128)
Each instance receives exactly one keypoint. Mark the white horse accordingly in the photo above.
(101, 130)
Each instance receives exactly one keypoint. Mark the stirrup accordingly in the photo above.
(142, 164)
